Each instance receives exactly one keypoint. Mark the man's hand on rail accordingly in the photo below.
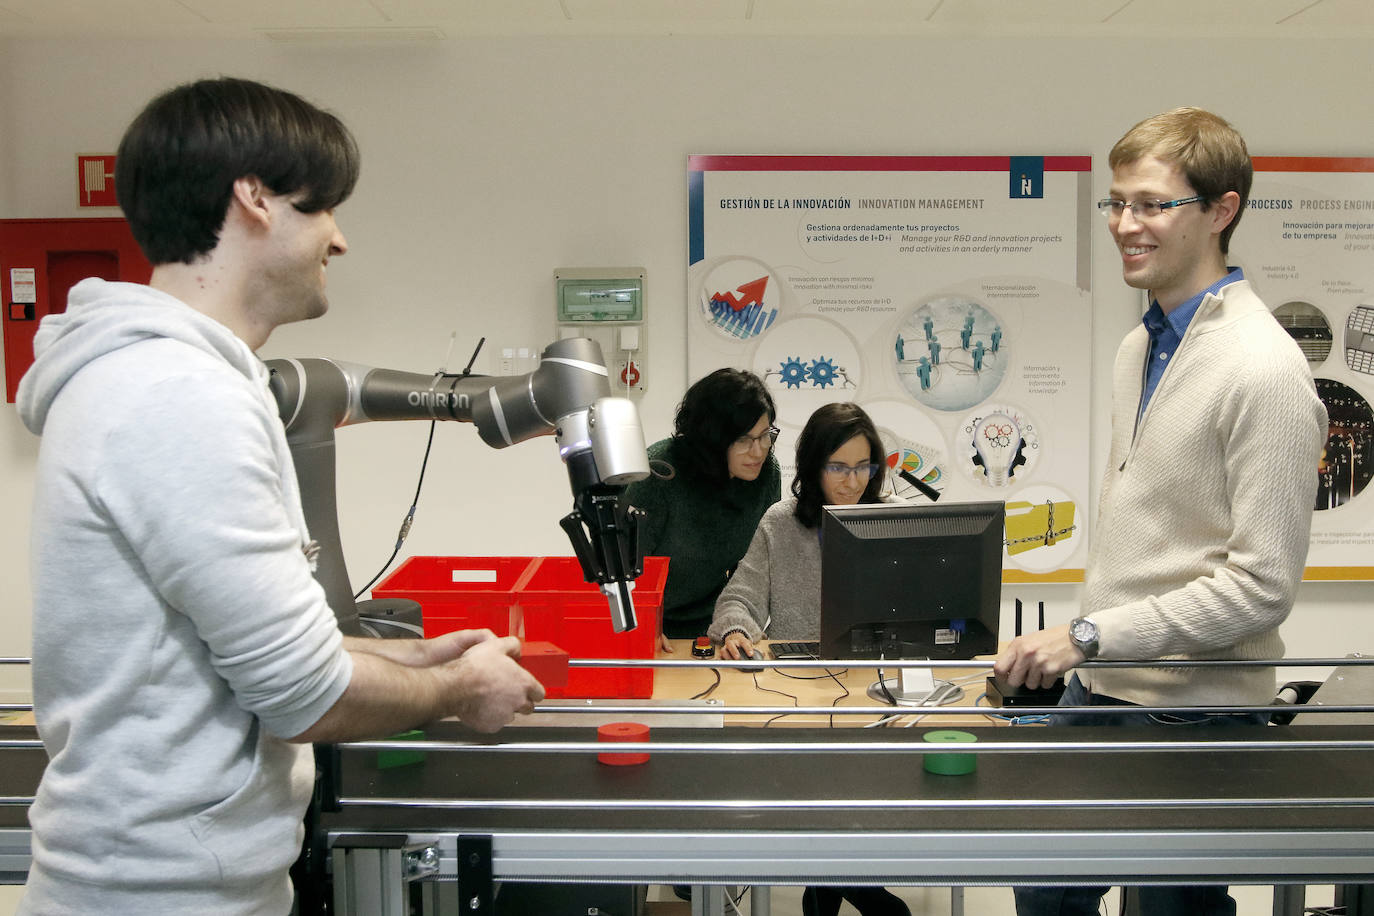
(1036, 659)
(420, 653)
(489, 688)
(402, 683)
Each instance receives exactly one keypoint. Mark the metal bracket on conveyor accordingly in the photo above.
(475, 884)
(382, 875)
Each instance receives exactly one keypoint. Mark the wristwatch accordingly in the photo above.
(1083, 633)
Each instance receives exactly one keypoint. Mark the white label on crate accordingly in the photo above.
(474, 575)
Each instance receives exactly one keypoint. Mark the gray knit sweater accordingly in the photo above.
(779, 578)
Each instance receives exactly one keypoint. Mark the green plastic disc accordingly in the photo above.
(391, 759)
(947, 764)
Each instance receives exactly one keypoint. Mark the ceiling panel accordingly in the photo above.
(1179, 16)
(849, 11)
(96, 15)
(414, 12)
(1329, 14)
(456, 18)
(270, 14)
(628, 11)
(1043, 13)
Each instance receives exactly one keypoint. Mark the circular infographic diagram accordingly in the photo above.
(1359, 339)
(1306, 324)
(1043, 528)
(1345, 465)
(913, 467)
(950, 353)
(740, 298)
(915, 460)
(806, 362)
(999, 445)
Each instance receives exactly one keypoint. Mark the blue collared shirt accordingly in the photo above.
(1166, 333)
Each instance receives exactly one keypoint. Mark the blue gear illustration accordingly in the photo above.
(822, 372)
(793, 372)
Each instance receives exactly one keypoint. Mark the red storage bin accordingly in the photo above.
(557, 606)
(460, 593)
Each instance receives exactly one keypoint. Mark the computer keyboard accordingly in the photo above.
(795, 650)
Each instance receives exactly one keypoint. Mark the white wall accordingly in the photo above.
(490, 162)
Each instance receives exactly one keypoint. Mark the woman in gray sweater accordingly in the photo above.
(777, 586)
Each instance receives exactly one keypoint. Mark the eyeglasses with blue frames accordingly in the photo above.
(840, 471)
(1142, 210)
(766, 438)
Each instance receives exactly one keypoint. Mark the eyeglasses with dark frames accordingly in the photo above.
(767, 439)
(839, 470)
(1112, 208)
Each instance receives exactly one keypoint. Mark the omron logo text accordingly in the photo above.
(450, 400)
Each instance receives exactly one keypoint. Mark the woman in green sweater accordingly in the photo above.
(711, 482)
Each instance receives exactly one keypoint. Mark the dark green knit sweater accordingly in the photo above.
(704, 531)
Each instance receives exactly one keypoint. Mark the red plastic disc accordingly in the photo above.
(614, 732)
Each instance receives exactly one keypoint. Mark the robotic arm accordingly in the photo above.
(599, 439)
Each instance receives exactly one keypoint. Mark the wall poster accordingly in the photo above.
(949, 296)
(1306, 242)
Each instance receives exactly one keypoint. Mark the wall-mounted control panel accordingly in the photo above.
(606, 304)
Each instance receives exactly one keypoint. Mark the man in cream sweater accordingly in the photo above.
(1206, 505)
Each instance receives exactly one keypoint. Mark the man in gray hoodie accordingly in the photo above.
(184, 656)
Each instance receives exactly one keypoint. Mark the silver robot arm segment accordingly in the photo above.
(603, 447)
(599, 439)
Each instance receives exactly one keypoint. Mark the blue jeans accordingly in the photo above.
(1154, 901)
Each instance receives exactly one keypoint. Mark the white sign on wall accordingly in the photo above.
(1306, 243)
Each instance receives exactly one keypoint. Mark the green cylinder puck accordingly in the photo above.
(387, 760)
(946, 764)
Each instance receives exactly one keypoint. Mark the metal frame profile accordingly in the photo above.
(1289, 806)
(1283, 805)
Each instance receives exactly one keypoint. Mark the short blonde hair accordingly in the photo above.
(1209, 151)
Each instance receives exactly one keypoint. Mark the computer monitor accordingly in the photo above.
(911, 580)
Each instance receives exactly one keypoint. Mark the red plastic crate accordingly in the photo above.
(460, 593)
(557, 606)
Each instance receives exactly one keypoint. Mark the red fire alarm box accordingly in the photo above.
(40, 259)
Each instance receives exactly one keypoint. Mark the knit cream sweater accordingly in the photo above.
(1206, 507)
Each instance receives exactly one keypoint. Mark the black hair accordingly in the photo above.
(714, 412)
(827, 429)
(179, 159)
